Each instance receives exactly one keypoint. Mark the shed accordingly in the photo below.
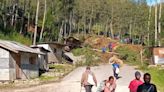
(42, 59)
(73, 42)
(56, 51)
(17, 61)
(158, 55)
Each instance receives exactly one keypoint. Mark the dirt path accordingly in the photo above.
(71, 83)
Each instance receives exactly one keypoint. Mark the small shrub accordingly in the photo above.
(128, 55)
(89, 56)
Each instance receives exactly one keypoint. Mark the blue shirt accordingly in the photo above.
(115, 66)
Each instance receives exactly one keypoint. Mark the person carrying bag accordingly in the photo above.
(88, 80)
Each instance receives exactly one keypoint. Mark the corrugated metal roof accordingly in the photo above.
(40, 47)
(54, 43)
(17, 47)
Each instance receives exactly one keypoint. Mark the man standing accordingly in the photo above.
(88, 79)
(136, 82)
(147, 86)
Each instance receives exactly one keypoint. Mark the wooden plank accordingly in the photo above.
(17, 65)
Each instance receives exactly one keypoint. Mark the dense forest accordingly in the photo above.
(53, 20)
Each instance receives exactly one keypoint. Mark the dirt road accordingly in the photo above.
(71, 83)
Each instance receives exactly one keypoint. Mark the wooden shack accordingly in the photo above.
(42, 59)
(56, 51)
(158, 55)
(73, 42)
(17, 61)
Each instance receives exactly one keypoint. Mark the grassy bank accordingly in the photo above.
(157, 77)
(16, 37)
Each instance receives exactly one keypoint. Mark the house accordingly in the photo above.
(17, 61)
(42, 59)
(56, 51)
(73, 42)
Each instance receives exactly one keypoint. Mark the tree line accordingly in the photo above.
(53, 20)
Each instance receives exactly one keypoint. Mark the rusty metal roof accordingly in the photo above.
(17, 47)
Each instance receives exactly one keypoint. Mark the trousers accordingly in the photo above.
(88, 88)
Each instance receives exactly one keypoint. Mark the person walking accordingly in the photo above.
(136, 82)
(147, 86)
(110, 85)
(116, 69)
(110, 47)
(116, 65)
(88, 79)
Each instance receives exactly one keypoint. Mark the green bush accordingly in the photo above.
(128, 55)
(79, 51)
(89, 54)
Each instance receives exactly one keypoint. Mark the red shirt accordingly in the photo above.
(134, 85)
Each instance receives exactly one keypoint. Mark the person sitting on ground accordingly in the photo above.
(136, 82)
(88, 79)
(147, 86)
(101, 87)
(110, 85)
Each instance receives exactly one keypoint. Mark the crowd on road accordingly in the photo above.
(88, 80)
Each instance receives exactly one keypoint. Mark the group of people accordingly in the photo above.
(110, 46)
(88, 80)
(137, 85)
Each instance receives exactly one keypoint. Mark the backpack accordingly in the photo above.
(90, 79)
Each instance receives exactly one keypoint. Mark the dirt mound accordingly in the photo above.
(104, 57)
(98, 42)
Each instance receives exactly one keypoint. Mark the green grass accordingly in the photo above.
(57, 68)
(16, 37)
(128, 55)
(157, 77)
(47, 78)
(80, 51)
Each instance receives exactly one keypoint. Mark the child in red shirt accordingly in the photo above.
(135, 83)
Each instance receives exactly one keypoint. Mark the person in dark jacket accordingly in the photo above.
(147, 86)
